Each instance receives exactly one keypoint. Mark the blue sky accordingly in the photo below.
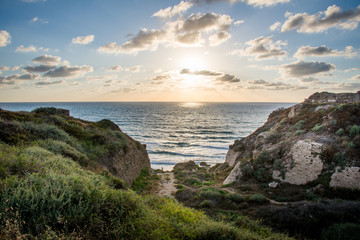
(195, 50)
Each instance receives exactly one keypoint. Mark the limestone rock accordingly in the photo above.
(231, 157)
(347, 178)
(273, 184)
(304, 164)
(235, 173)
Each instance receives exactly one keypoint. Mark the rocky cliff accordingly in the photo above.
(316, 142)
(94, 145)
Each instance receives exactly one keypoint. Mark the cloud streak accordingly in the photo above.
(255, 3)
(47, 60)
(69, 71)
(5, 38)
(173, 11)
(262, 48)
(324, 51)
(83, 39)
(333, 17)
(301, 68)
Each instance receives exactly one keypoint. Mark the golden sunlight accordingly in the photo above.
(193, 62)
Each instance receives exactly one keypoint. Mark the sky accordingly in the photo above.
(177, 51)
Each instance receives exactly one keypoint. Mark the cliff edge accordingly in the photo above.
(314, 143)
(94, 145)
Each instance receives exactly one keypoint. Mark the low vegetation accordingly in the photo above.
(52, 186)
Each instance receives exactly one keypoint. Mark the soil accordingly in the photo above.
(167, 184)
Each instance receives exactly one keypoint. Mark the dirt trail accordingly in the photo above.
(167, 184)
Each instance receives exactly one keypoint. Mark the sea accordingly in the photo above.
(173, 132)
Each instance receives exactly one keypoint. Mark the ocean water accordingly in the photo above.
(173, 132)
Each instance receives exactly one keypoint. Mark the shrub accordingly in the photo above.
(273, 137)
(299, 132)
(262, 175)
(318, 127)
(234, 197)
(300, 124)
(262, 159)
(247, 170)
(211, 194)
(46, 131)
(64, 149)
(278, 165)
(258, 198)
(14, 162)
(192, 181)
(342, 231)
(206, 204)
(339, 132)
(354, 131)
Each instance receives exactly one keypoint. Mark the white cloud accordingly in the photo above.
(5, 38)
(239, 22)
(218, 38)
(172, 11)
(262, 84)
(83, 39)
(180, 32)
(262, 48)
(41, 68)
(144, 40)
(47, 60)
(275, 26)
(333, 17)
(256, 3)
(47, 83)
(15, 79)
(30, 48)
(119, 68)
(301, 68)
(103, 77)
(356, 78)
(69, 71)
(218, 76)
(351, 69)
(324, 51)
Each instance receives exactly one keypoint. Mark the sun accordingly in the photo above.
(193, 62)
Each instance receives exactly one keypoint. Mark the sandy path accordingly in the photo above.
(167, 185)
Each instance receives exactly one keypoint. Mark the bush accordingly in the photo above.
(300, 124)
(354, 131)
(342, 231)
(273, 137)
(234, 197)
(339, 132)
(206, 204)
(64, 149)
(299, 132)
(210, 193)
(258, 198)
(247, 170)
(262, 159)
(262, 175)
(192, 181)
(318, 127)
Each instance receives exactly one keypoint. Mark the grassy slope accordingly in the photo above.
(52, 187)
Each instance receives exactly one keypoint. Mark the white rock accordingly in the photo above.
(231, 157)
(347, 178)
(303, 164)
(273, 184)
(235, 173)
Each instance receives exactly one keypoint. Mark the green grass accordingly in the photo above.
(46, 192)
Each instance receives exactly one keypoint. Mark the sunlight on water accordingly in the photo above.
(191, 104)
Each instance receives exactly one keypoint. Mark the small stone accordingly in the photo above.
(273, 184)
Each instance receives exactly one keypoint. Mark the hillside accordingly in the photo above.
(298, 173)
(66, 178)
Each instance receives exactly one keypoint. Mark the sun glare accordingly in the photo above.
(193, 62)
